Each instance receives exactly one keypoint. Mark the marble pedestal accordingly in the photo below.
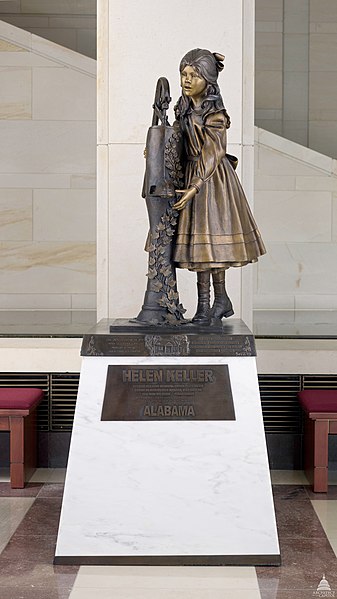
(187, 491)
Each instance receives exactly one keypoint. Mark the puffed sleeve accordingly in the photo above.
(213, 149)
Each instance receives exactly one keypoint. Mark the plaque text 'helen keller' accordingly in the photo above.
(168, 393)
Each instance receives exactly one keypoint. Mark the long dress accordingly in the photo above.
(216, 229)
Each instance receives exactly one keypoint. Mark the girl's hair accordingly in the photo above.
(208, 66)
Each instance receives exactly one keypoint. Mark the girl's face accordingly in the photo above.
(192, 84)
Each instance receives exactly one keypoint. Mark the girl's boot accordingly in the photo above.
(222, 304)
(203, 313)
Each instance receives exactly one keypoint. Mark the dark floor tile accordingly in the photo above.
(51, 490)
(304, 561)
(290, 492)
(42, 518)
(297, 519)
(40, 576)
(30, 490)
(33, 549)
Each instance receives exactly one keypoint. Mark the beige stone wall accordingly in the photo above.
(47, 176)
(296, 71)
(70, 23)
(296, 208)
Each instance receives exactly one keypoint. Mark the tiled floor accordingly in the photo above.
(307, 525)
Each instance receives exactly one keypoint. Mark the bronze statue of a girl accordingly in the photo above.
(214, 227)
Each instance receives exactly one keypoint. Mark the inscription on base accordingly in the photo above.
(168, 393)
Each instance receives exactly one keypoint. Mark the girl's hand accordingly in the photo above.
(188, 194)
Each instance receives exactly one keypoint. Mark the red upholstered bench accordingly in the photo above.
(320, 407)
(18, 416)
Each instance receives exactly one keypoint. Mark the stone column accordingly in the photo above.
(136, 45)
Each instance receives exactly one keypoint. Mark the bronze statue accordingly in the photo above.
(215, 229)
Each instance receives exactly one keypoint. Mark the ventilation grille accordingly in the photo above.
(63, 393)
(280, 407)
(319, 381)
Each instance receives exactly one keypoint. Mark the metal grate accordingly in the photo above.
(319, 381)
(31, 379)
(63, 394)
(280, 407)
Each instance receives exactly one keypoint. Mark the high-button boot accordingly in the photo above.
(222, 305)
(202, 315)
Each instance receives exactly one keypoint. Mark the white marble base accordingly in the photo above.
(183, 488)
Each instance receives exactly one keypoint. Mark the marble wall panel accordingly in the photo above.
(295, 101)
(49, 103)
(35, 180)
(274, 182)
(129, 120)
(269, 10)
(300, 267)
(268, 89)
(323, 27)
(79, 7)
(10, 6)
(315, 301)
(295, 51)
(297, 216)
(271, 162)
(83, 301)
(87, 22)
(17, 36)
(323, 104)
(276, 301)
(322, 137)
(47, 147)
(62, 55)
(296, 16)
(16, 93)
(86, 42)
(25, 21)
(272, 125)
(320, 164)
(268, 26)
(323, 49)
(268, 51)
(296, 211)
(24, 59)
(47, 267)
(296, 131)
(62, 37)
(6, 46)
(34, 301)
(323, 11)
(127, 230)
(64, 215)
(16, 214)
(317, 183)
(83, 181)
(334, 217)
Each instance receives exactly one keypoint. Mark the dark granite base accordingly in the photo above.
(122, 337)
(171, 560)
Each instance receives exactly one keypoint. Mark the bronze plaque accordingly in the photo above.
(184, 392)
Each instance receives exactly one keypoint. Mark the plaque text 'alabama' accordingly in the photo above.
(168, 393)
